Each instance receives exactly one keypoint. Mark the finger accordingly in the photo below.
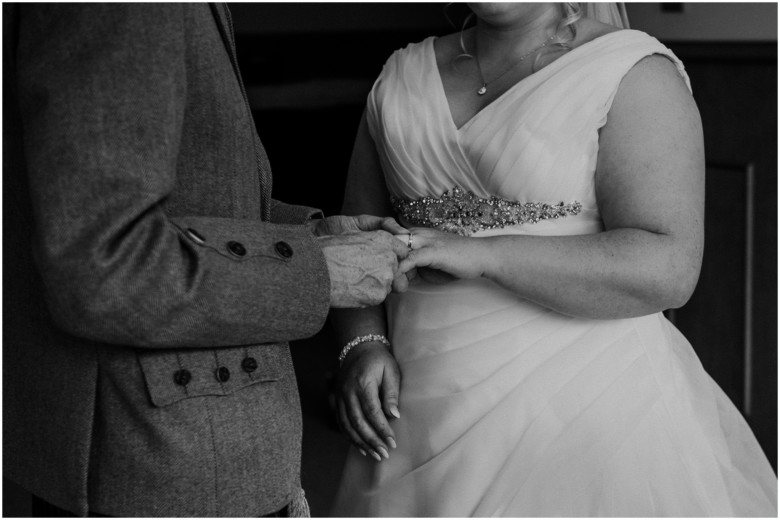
(399, 248)
(420, 238)
(372, 411)
(369, 222)
(403, 238)
(400, 282)
(390, 225)
(390, 387)
(350, 432)
(417, 258)
(411, 275)
(355, 413)
(357, 424)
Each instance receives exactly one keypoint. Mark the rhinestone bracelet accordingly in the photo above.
(362, 339)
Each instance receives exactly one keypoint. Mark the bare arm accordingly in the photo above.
(649, 182)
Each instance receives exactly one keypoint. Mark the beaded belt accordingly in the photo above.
(462, 212)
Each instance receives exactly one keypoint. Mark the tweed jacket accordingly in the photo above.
(150, 282)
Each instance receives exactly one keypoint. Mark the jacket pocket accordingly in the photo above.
(173, 375)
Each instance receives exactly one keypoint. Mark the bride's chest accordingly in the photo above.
(466, 93)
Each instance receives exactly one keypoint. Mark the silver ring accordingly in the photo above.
(409, 244)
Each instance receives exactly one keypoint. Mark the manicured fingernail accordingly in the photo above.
(376, 456)
(383, 451)
(363, 452)
(391, 442)
(394, 411)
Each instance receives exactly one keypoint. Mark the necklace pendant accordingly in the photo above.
(482, 90)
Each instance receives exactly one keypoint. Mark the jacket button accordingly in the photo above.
(284, 249)
(182, 377)
(223, 374)
(237, 248)
(249, 364)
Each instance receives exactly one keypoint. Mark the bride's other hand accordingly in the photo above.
(369, 381)
(439, 257)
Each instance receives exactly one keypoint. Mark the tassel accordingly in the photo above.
(298, 507)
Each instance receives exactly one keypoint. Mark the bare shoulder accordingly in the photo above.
(654, 78)
(655, 70)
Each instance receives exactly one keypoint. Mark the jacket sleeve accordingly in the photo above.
(293, 214)
(101, 91)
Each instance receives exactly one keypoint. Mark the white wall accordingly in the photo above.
(743, 21)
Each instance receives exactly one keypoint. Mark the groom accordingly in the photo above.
(151, 283)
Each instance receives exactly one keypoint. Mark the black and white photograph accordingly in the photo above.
(390, 259)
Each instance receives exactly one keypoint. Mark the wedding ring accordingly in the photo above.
(409, 244)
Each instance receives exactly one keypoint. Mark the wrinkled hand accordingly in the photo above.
(369, 381)
(363, 267)
(340, 224)
(440, 257)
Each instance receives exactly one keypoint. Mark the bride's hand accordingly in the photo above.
(368, 382)
(448, 253)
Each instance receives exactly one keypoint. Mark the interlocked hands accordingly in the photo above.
(362, 257)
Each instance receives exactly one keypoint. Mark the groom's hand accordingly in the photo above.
(363, 267)
(341, 224)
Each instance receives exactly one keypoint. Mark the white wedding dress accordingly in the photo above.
(509, 408)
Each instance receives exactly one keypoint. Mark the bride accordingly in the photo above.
(550, 169)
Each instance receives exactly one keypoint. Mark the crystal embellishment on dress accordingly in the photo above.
(462, 212)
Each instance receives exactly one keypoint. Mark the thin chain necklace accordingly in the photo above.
(483, 89)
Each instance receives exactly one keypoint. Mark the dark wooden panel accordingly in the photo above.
(714, 320)
(735, 87)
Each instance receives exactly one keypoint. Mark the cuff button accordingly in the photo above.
(223, 374)
(284, 249)
(182, 377)
(237, 248)
(249, 365)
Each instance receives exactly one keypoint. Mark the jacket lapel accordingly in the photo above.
(225, 25)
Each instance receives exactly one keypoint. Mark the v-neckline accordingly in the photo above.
(443, 92)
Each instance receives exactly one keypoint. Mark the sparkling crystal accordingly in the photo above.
(462, 212)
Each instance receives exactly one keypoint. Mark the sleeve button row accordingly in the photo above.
(283, 248)
(182, 377)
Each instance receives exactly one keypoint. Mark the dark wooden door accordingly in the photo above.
(731, 320)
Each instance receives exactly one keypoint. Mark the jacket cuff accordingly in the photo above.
(282, 213)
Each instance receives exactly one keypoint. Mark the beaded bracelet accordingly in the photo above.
(362, 339)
